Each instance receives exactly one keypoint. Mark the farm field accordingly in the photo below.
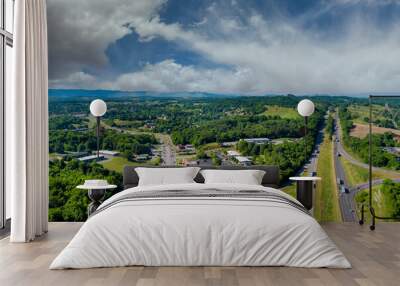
(362, 130)
(283, 112)
(117, 164)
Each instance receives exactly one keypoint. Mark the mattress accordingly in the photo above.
(201, 225)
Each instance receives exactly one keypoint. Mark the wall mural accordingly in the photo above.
(217, 83)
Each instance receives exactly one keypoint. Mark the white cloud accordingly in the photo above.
(283, 57)
(79, 80)
(81, 30)
(168, 76)
(256, 55)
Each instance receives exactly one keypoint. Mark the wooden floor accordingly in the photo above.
(375, 257)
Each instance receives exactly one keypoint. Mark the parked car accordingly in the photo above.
(340, 181)
(313, 174)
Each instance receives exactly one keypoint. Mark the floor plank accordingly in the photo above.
(375, 257)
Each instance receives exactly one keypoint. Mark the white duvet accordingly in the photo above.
(202, 232)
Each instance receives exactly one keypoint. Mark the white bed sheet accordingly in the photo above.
(200, 232)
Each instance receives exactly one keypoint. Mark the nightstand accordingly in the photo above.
(304, 190)
(96, 192)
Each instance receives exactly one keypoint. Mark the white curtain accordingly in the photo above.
(27, 123)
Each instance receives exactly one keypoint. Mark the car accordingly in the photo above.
(313, 174)
(343, 189)
(340, 181)
(338, 154)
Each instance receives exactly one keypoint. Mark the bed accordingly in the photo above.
(197, 224)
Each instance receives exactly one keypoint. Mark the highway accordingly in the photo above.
(311, 166)
(346, 200)
(346, 155)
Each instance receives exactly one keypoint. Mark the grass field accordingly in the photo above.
(283, 112)
(360, 112)
(290, 189)
(126, 123)
(117, 164)
(380, 202)
(212, 146)
(326, 200)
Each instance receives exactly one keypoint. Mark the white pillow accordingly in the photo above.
(246, 177)
(166, 176)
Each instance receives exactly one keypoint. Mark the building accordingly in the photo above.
(257, 140)
(233, 153)
(90, 158)
(109, 153)
(199, 162)
(142, 157)
(244, 161)
(75, 154)
(186, 149)
(156, 152)
(189, 147)
(228, 144)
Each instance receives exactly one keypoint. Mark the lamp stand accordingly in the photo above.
(305, 135)
(98, 137)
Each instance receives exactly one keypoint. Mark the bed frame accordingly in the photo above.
(271, 177)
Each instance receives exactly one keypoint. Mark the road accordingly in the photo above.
(346, 200)
(168, 154)
(352, 160)
(377, 182)
(311, 166)
(364, 186)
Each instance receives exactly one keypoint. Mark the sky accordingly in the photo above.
(228, 46)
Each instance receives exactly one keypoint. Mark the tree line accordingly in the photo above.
(290, 156)
(129, 145)
(66, 202)
(360, 146)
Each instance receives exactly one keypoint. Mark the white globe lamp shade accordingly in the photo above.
(306, 107)
(98, 107)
